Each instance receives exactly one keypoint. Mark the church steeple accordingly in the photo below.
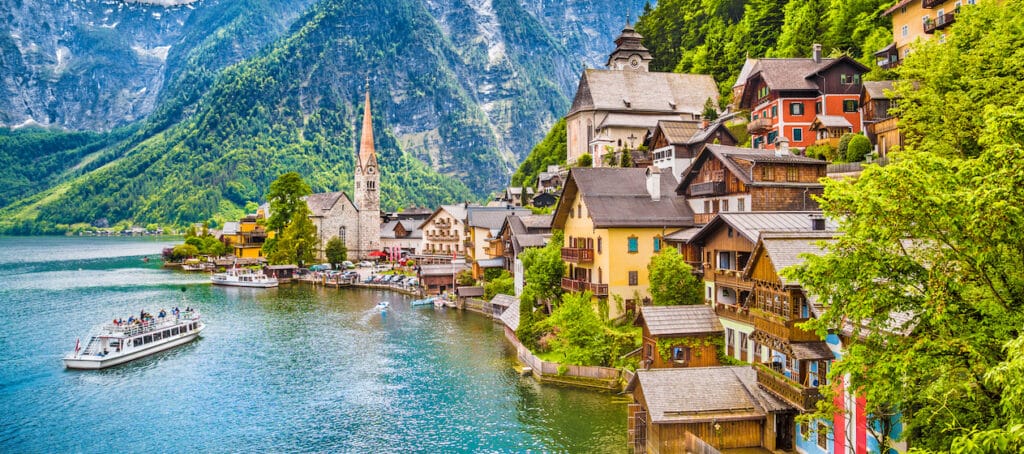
(367, 155)
(629, 51)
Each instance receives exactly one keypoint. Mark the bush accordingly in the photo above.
(823, 152)
(585, 160)
(844, 143)
(858, 148)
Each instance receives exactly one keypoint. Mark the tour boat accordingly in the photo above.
(422, 302)
(243, 277)
(111, 344)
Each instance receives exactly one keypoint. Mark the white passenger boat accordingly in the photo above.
(243, 277)
(111, 344)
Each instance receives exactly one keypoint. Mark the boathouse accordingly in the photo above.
(680, 336)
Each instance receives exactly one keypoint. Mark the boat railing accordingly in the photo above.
(134, 328)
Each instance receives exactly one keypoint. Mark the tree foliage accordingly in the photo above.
(297, 243)
(932, 245)
(286, 196)
(542, 271)
(502, 284)
(672, 280)
(335, 252)
(550, 151)
(581, 336)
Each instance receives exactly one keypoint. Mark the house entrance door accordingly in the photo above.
(784, 430)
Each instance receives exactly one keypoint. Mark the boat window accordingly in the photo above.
(137, 342)
(184, 328)
(192, 326)
(156, 336)
(174, 331)
(147, 339)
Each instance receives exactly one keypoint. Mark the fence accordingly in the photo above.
(851, 167)
(546, 369)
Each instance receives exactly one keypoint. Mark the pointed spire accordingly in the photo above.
(367, 155)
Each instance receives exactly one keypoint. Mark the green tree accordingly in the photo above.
(803, 27)
(672, 280)
(585, 160)
(931, 245)
(286, 198)
(297, 244)
(502, 284)
(710, 110)
(336, 252)
(184, 251)
(844, 144)
(626, 158)
(542, 271)
(858, 148)
(465, 278)
(550, 151)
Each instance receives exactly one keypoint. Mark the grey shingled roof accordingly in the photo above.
(680, 320)
(443, 269)
(645, 91)
(700, 394)
(876, 89)
(537, 221)
(786, 250)
(387, 230)
(492, 217)
(618, 197)
(631, 120)
(510, 317)
(811, 350)
(322, 203)
(831, 121)
(682, 236)
(679, 132)
(750, 224)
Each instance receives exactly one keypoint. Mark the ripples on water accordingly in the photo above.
(288, 369)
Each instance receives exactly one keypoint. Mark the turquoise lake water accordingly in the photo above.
(276, 370)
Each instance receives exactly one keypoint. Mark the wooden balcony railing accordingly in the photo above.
(734, 312)
(760, 125)
(800, 396)
(939, 23)
(573, 285)
(707, 188)
(732, 278)
(577, 255)
(931, 3)
(703, 218)
(787, 331)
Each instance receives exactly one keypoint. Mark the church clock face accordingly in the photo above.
(358, 170)
(634, 61)
(369, 170)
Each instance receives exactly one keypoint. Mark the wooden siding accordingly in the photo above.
(831, 82)
(714, 170)
(671, 438)
(704, 356)
(783, 199)
(764, 270)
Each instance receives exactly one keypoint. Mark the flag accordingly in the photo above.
(78, 344)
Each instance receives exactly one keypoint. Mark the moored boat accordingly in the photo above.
(243, 277)
(422, 302)
(118, 342)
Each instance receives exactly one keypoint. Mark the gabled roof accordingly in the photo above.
(510, 317)
(679, 320)
(830, 121)
(618, 197)
(442, 269)
(876, 89)
(492, 217)
(457, 211)
(387, 230)
(704, 394)
(679, 131)
(643, 91)
(740, 161)
(321, 204)
(790, 74)
(785, 249)
(752, 224)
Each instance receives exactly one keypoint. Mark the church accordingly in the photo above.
(355, 220)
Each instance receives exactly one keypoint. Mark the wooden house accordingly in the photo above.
(674, 144)
(436, 279)
(680, 336)
(705, 409)
(726, 179)
(881, 126)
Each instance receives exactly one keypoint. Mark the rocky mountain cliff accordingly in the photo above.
(465, 86)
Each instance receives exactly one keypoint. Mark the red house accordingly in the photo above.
(786, 95)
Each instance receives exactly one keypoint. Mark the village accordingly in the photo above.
(654, 165)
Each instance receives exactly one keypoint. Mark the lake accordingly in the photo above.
(289, 369)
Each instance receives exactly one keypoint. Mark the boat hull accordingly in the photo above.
(246, 284)
(93, 363)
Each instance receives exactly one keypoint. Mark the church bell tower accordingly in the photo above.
(367, 187)
(629, 53)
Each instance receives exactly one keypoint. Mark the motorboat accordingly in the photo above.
(243, 277)
(118, 342)
(383, 306)
(422, 302)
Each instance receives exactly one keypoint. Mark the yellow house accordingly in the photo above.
(914, 20)
(614, 221)
(247, 236)
(483, 224)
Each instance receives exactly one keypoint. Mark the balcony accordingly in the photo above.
(760, 125)
(703, 218)
(774, 382)
(786, 331)
(931, 3)
(573, 285)
(939, 23)
(734, 312)
(732, 278)
(707, 188)
(441, 236)
(577, 255)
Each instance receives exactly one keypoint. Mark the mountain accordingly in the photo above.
(461, 88)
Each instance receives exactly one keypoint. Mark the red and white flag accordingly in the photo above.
(78, 345)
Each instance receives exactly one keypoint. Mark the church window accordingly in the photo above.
(341, 234)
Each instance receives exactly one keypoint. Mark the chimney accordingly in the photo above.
(817, 222)
(782, 146)
(654, 182)
(704, 124)
(816, 55)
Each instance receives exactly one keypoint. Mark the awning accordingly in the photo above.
(491, 263)
(811, 351)
(378, 254)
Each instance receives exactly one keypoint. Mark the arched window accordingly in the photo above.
(341, 234)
